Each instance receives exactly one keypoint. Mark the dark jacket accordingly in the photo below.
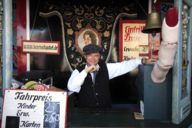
(95, 95)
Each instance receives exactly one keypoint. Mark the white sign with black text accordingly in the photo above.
(42, 47)
(34, 109)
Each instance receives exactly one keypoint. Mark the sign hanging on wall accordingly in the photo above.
(132, 42)
(44, 47)
(34, 109)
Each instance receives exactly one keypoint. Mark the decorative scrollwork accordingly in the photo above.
(100, 19)
(185, 33)
(185, 22)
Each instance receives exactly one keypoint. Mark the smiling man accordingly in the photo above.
(91, 81)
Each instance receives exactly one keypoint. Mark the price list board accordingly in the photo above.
(34, 109)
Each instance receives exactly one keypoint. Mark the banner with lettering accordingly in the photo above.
(43, 47)
(132, 42)
(34, 109)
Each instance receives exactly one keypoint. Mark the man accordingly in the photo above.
(91, 81)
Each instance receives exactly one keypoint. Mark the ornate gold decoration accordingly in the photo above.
(106, 34)
(70, 31)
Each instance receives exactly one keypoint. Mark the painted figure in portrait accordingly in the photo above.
(85, 37)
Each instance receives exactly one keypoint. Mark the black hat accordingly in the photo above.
(91, 48)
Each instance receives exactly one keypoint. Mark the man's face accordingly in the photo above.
(92, 58)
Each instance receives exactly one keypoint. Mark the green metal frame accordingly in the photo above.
(181, 94)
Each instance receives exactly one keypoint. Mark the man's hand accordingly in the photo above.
(91, 68)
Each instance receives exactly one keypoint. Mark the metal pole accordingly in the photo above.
(149, 6)
(28, 32)
(7, 44)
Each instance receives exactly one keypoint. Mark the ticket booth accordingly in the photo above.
(168, 101)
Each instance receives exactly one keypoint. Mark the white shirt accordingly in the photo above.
(114, 69)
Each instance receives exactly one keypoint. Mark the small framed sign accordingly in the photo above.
(45, 47)
(132, 42)
(34, 109)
